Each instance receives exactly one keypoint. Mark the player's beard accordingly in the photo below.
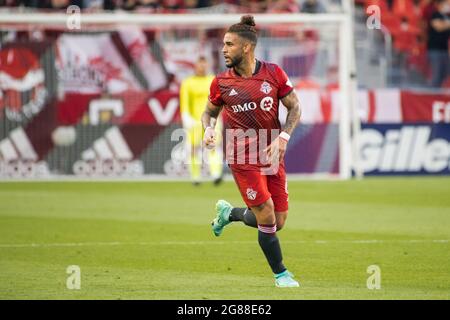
(234, 61)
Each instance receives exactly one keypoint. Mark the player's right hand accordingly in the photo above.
(210, 138)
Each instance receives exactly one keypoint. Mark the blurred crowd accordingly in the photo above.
(419, 28)
(254, 6)
(420, 31)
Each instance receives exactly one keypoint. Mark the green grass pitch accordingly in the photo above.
(152, 240)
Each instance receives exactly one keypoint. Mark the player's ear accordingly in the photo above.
(247, 46)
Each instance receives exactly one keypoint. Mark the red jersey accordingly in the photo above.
(251, 110)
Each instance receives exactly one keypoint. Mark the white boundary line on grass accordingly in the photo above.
(157, 178)
(171, 243)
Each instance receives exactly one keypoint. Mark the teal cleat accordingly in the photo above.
(223, 209)
(285, 280)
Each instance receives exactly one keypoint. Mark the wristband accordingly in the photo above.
(208, 127)
(284, 135)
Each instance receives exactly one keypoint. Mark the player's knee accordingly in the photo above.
(269, 212)
(281, 220)
(280, 224)
(266, 207)
(269, 207)
(265, 212)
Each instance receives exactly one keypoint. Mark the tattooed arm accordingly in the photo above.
(209, 119)
(279, 145)
(211, 113)
(294, 112)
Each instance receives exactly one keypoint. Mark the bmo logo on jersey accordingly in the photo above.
(265, 104)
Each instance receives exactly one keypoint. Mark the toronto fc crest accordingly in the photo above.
(251, 194)
(265, 87)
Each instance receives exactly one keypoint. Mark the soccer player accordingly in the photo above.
(249, 93)
(193, 96)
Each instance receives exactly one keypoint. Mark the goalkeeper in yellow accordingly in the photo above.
(193, 98)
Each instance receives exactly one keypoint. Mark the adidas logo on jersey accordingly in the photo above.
(233, 92)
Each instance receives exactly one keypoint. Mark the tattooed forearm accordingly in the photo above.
(292, 119)
(294, 112)
(211, 111)
(206, 119)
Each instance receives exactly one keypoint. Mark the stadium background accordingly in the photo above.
(103, 103)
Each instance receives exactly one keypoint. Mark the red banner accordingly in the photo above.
(159, 108)
(425, 107)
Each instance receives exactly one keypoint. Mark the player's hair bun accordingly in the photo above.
(245, 29)
(248, 20)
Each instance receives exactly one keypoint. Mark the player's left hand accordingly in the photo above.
(276, 150)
